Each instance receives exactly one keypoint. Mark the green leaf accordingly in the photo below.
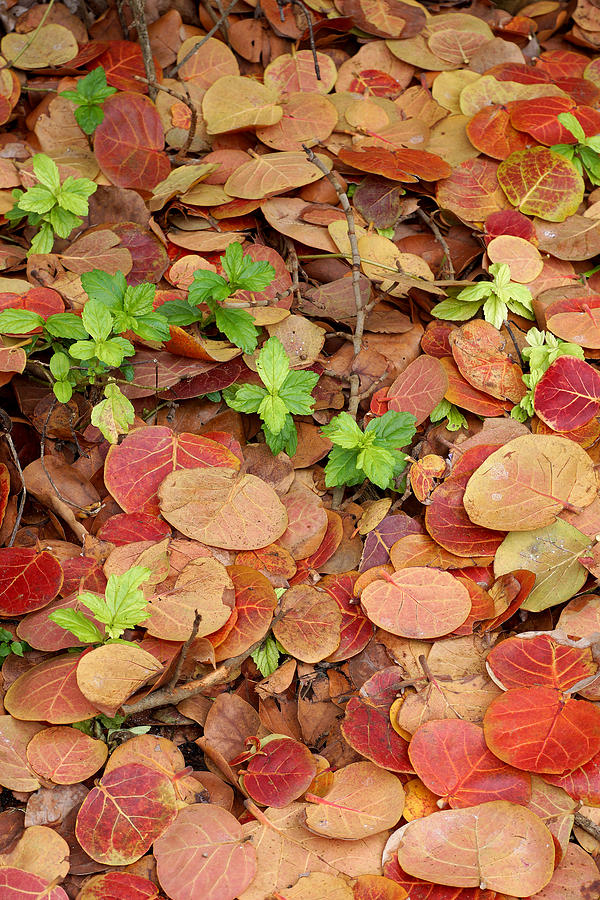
(494, 311)
(233, 262)
(153, 327)
(78, 624)
(83, 349)
(38, 198)
(266, 657)
(63, 222)
(378, 465)
(246, 398)
(272, 364)
(63, 391)
(341, 468)
(474, 292)
(109, 289)
(238, 326)
(393, 429)
(46, 171)
(343, 432)
(285, 439)
(66, 325)
(88, 116)
(19, 321)
(114, 414)
(178, 312)
(60, 366)
(74, 194)
(126, 606)
(572, 124)
(296, 392)
(113, 352)
(43, 241)
(207, 286)
(273, 411)
(97, 320)
(139, 299)
(455, 310)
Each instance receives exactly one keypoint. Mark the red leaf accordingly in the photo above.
(280, 772)
(118, 886)
(398, 165)
(48, 692)
(541, 661)
(121, 61)
(568, 394)
(255, 601)
(419, 388)
(17, 884)
(356, 630)
(582, 784)
(538, 729)
(28, 580)
(451, 758)
(129, 142)
(128, 528)
(125, 813)
(490, 131)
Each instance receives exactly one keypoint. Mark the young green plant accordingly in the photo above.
(287, 392)
(88, 97)
(374, 453)
(585, 153)
(213, 291)
(51, 206)
(9, 644)
(544, 349)
(123, 606)
(496, 297)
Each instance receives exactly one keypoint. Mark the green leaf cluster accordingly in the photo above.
(266, 657)
(286, 392)
(496, 297)
(211, 290)
(122, 606)
(446, 410)
(374, 453)
(544, 349)
(89, 97)
(51, 206)
(8, 645)
(585, 154)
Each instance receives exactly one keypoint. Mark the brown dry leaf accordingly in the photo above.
(528, 482)
(80, 496)
(97, 250)
(310, 627)
(274, 173)
(108, 675)
(15, 772)
(363, 800)
(229, 722)
(320, 886)
(52, 45)
(222, 508)
(61, 138)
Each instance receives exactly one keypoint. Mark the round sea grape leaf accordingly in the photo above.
(363, 800)
(235, 103)
(376, 887)
(17, 884)
(451, 758)
(210, 61)
(490, 131)
(117, 886)
(552, 554)
(582, 784)
(528, 482)
(479, 351)
(397, 165)
(39, 850)
(202, 854)
(109, 674)
(525, 661)
(292, 73)
(576, 873)
(42, 633)
(379, 541)
(121, 61)
(541, 183)
(125, 813)
(568, 394)
(356, 630)
(135, 468)
(367, 727)
(463, 394)
(472, 191)
(47, 47)
(419, 388)
(49, 692)
(540, 730)
(15, 770)
(417, 603)
(222, 508)
(255, 602)
(128, 528)
(274, 173)
(310, 627)
(280, 772)
(497, 845)
(29, 580)
(65, 755)
(129, 142)
(576, 319)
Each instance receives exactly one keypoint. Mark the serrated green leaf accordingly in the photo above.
(83, 349)
(207, 286)
(43, 241)
(108, 289)
(138, 300)
(19, 321)
(153, 327)
(37, 198)
(46, 171)
(114, 414)
(63, 222)
(296, 392)
(113, 351)
(246, 398)
(378, 465)
(78, 624)
(232, 261)
(273, 411)
(66, 325)
(266, 657)
(89, 116)
(285, 439)
(343, 432)
(238, 326)
(341, 467)
(456, 310)
(97, 320)
(393, 429)
(273, 364)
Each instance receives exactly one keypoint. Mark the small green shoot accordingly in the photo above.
(373, 453)
(9, 644)
(213, 291)
(585, 153)
(496, 297)
(266, 657)
(89, 97)
(286, 393)
(544, 349)
(446, 410)
(123, 606)
(51, 206)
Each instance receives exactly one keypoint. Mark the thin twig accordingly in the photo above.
(358, 330)
(309, 27)
(44, 467)
(587, 825)
(122, 21)
(184, 651)
(5, 430)
(221, 15)
(139, 17)
(516, 346)
(448, 264)
(182, 152)
(294, 267)
(28, 43)
(206, 37)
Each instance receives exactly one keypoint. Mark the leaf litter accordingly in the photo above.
(299, 436)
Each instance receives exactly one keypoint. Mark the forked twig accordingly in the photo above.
(182, 152)
(309, 27)
(206, 37)
(440, 239)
